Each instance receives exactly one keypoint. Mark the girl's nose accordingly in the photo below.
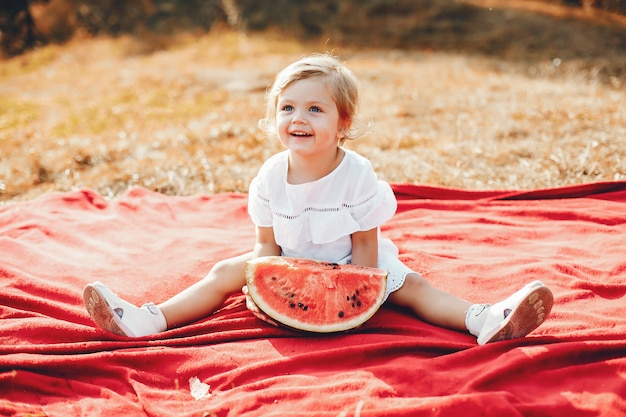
(298, 118)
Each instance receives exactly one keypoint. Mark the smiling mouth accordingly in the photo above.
(300, 134)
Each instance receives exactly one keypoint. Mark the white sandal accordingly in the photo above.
(115, 315)
(518, 315)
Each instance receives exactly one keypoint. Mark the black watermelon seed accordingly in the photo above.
(358, 303)
(292, 305)
(357, 292)
(347, 298)
(340, 314)
(305, 308)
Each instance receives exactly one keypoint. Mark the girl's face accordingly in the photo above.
(307, 119)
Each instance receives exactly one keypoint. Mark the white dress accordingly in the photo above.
(315, 220)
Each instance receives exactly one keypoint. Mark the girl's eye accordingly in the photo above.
(315, 109)
(287, 108)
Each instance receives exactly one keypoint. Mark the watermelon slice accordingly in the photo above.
(315, 296)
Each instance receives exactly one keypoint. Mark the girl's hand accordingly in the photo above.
(251, 305)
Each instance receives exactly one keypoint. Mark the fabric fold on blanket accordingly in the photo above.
(480, 245)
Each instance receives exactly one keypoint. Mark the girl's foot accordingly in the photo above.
(513, 317)
(117, 316)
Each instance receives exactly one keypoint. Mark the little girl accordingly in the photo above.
(319, 200)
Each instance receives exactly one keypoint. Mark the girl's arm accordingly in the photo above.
(365, 248)
(265, 246)
(265, 243)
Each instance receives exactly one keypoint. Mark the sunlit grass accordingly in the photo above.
(179, 115)
(31, 62)
(122, 110)
(16, 113)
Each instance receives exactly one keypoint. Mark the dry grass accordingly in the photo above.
(180, 116)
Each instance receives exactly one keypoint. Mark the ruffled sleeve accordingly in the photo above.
(259, 193)
(379, 207)
(374, 202)
(259, 204)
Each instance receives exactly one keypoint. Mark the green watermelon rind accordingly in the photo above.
(293, 322)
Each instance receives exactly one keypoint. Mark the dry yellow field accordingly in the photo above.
(180, 116)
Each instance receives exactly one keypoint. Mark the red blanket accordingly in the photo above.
(481, 245)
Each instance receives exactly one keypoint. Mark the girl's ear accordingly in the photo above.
(344, 126)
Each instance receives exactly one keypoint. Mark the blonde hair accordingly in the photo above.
(341, 82)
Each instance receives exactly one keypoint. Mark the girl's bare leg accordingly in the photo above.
(112, 313)
(431, 304)
(202, 298)
(515, 316)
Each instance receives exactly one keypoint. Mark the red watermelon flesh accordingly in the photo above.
(315, 296)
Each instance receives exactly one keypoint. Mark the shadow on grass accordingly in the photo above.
(513, 31)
